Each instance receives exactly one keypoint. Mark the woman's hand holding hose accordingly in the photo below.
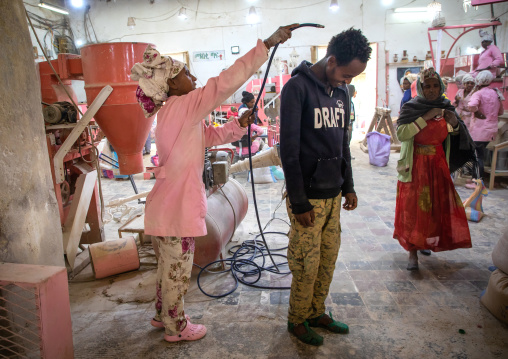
(280, 36)
(247, 118)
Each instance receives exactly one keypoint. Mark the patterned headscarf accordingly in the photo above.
(484, 78)
(153, 74)
(429, 73)
(486, 36)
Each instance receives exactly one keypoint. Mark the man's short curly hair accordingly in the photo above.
(348, 45)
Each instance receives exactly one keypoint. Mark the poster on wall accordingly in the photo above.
(209, 55)
(403, 71)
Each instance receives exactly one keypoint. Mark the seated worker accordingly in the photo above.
(491, 57)
(232, 112)
(248, 102)
(257, 144)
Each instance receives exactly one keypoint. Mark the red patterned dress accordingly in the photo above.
(429, 213)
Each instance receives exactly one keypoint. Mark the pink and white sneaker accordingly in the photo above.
(190, 332)
(158, 324)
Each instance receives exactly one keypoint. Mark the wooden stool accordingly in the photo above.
(492, 169)
(135, 225)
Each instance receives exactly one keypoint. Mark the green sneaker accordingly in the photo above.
(309, 337)
(333, 326)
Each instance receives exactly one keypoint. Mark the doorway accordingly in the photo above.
(365, 84)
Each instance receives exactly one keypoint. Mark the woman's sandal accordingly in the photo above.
(310, 337)
(333, 326)
(190, 332)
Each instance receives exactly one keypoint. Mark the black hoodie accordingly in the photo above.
(314, 142)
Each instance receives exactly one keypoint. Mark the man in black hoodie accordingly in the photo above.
(314, 146)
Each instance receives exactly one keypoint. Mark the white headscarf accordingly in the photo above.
(486, 36)
(484, 78)
(153, 74)
(467, 78)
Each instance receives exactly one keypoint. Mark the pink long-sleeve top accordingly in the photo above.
(464, 114)
(491, 56)
(176, 206)
(487, 101)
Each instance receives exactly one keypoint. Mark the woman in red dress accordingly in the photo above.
(429, 214)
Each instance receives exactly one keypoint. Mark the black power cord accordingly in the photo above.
(249, 133)
(238, 264)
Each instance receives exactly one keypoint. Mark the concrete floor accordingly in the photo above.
(392, 313)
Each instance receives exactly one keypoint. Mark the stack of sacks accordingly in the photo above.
(496, 295)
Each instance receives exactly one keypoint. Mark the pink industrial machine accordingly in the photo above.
(120, 117)
(35, 312)
(106, 67)
(60, 118)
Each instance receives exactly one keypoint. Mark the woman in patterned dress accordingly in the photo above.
(429, 214)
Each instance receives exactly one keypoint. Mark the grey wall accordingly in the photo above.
(29, 220)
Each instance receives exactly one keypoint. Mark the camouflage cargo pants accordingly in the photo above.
(312, 254)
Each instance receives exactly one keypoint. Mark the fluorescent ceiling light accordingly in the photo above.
(182, 14)
(253, 17)
(53, 8)
(410, 9)
(387, 2)
(77, 3)
(334, 5)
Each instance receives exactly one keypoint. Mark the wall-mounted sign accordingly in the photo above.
(209, 55)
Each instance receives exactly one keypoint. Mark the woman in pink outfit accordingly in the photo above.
(491, 57)
(462, 100)
(487, 106)
(176, 206)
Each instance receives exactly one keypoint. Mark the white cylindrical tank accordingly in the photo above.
(225, 212)
(227, 207)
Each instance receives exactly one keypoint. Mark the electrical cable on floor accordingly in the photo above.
(238, 263)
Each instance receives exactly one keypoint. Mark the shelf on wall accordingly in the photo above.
(419, 63)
